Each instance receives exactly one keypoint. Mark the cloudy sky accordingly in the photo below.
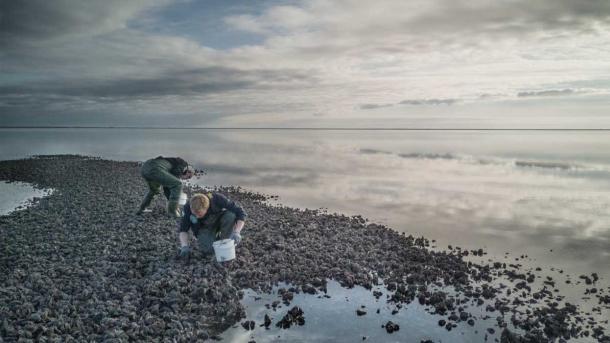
(313, 63)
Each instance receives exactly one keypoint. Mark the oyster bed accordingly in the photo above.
(79, 265)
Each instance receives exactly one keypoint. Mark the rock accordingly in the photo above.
(287, 297)
(293, 317)
(248, 324)
(267, 322)
(390, 327)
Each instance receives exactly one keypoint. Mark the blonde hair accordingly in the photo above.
(199, 202)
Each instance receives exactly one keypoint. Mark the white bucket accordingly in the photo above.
(224, 250)
(182, 200)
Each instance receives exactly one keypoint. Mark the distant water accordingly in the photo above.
(523, 192)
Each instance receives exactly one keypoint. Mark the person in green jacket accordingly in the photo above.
(165, 172)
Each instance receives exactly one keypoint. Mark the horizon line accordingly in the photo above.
(305, 128)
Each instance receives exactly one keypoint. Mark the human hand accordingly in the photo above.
(236, 236)
(238, 226)
(185, 251)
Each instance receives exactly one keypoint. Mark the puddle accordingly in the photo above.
(333, 318)
(18, 195)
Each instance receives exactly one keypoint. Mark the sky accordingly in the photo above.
(310, 63)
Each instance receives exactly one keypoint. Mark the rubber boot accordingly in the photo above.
(146, 202)
(173, 210)
(167, 192)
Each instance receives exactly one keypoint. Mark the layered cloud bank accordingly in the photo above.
(301, 62)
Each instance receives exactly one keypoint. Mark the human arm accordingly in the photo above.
(185, 222)
(236, 235)
(178, 166)
(183, 236)
(239, 225)
(185, 249)
(221, 201)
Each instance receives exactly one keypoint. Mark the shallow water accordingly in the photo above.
(544, 194)
(334, 319)
(17, 195)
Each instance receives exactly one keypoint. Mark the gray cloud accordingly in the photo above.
(76, 115)
(514, 16)
(374, 106)
(183, 83)
(428, 102)
(552, 92)
(187, 95)
(90, 57)
(411, 27)
(368, 151)
(27, 21)
(486, 96)
(432, 156)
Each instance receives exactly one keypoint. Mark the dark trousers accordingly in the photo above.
(157, 175)
(215, 227)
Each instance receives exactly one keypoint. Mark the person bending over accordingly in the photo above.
(165, 172)
(210, 217)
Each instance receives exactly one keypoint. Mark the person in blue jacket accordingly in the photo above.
(211, 217)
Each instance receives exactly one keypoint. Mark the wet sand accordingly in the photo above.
(79, 265)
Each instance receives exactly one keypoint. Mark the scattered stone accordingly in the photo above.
(294, 316)
(588, 280)
(248, 324)
(267, 321)
(390, 327)
(287, 297)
